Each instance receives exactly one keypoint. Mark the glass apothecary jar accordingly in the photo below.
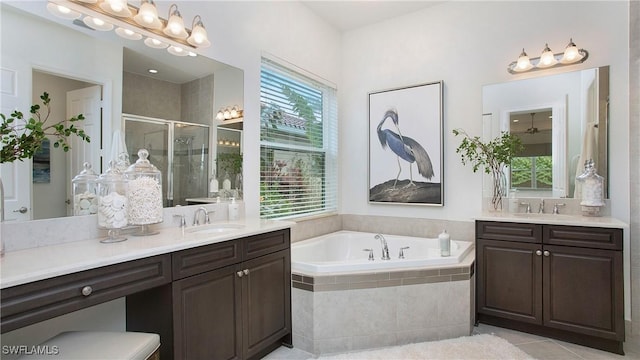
(85, 198)
(112, 203)
(144, 193)
(592, 190)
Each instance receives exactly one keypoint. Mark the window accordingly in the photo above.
(298, 144)
(532, 172)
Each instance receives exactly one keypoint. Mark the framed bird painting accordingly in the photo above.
(406, 145)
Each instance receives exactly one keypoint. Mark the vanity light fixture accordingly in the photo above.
(198, 36)
(128, 34)
(63, 12)
(155, 43)
(136, 23)
(175, 25)
(548, 59)
(229, 113)
(97, 23)
(148, 15)
(177, 51)
(116, 7)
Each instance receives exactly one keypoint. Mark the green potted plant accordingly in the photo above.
(21, 137)
(493, 156)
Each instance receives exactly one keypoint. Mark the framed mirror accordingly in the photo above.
(58, 56)
(562, 121)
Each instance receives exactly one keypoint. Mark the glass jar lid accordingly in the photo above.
(86, 175)
(112, 174)
(142, 165)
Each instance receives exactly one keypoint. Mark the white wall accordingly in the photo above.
(468, 45)
(240, 32)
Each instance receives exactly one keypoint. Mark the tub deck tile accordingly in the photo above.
(450, 271)
(426, 280)
(413, 274)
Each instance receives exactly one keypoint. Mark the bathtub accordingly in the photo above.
(342, 252)
(343, 302)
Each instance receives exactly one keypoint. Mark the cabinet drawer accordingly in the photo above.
(205, 258)
(589, 237)
(267, 243)
(509, 231)
(41, 300)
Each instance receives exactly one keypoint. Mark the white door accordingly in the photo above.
(15, 80)
(88, 102)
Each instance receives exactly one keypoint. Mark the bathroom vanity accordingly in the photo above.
(557, 279)
(208, 296)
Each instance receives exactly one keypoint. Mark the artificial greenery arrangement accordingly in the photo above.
(492, 155)
(21, 138)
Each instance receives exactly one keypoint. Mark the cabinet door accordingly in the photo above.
(266, 301)
(509, 282)
(584, 291)
(207, 315)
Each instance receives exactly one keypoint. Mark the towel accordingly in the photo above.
(589, 151)
(119, 154)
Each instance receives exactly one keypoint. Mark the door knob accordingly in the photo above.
(538, 252)
(240, 273)
(246, 271)
(546, 253)
(22, 210)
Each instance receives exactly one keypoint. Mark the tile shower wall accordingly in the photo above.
(634, 159)
(197, 101)
(145, 96)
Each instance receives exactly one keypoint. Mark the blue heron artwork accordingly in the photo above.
(405, 148)
(405, 145)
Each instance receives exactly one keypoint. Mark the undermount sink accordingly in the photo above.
(214, 228)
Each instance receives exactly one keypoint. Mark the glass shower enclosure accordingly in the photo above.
(180, 150)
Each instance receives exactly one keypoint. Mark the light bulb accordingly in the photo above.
(148, 16)
(227, 114)
(547, 58)
(571, 53)
(523, 62)
(198, 36)
(220, 115)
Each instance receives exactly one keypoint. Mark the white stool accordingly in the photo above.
(85, 345)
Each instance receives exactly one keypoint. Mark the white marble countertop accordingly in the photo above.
(551, 219)
(24, 266)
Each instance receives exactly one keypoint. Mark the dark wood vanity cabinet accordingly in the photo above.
(230, 300)
(559, 281)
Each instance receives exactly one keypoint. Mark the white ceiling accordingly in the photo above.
(349, 15)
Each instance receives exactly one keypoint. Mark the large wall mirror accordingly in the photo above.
(107, 79)
(562, 121)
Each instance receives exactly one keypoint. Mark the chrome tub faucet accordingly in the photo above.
(385, 248)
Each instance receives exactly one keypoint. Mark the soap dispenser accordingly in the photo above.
(233, 209)
(445, 243)
(213, 185)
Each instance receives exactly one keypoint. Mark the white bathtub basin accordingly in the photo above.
(342, 252)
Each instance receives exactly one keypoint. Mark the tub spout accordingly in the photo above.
(385, 248)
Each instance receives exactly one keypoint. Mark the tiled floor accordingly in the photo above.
(538, 347)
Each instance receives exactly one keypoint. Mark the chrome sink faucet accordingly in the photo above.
(556, 206)
(528, 205)
(541, 207)
(196, 220)
(385, 248)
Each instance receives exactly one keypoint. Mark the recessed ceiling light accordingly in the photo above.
(153, 71)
